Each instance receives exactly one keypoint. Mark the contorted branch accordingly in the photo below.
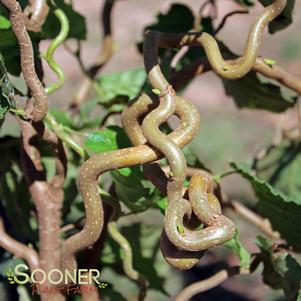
(27, 60)
(100, 163)
(18, 249)
(201, 66)
(90, 171)
(230, 69)
(35, 14)
(201, 200)
(130, 118)
(220, 229)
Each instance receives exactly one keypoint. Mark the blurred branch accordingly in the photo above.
(18, 249)
(205, 285)
(226, 17)
(59, 130)
(101, 59)
(200, 15)
(261, 223)
(127, 261)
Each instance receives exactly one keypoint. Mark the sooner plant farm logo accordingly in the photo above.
(71, 282)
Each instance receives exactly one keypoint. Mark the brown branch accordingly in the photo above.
(253, 218)
(18, 249)
(182, 77)
(213, 13)
(279, 74)
(27, 61)
(205, 285)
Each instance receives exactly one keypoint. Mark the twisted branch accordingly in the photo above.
(27, 61)
(100, 163)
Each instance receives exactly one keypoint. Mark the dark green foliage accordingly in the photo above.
(276, 206)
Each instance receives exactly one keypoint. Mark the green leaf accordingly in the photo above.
(284, 19)
(270, 62)
(236, 246)
(281, 269)
(252, 92)
(161, 203)
(111, 138)
(132, 189)
(4, 22)
(179, 18)
(127, 83)
(281, 167)
(276, 206)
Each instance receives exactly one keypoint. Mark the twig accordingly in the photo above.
(59, 39)
(226, 17)
(128, 259)
(64, 136)
(260, 222)
(204, 285)
(198, 67)
(199, 16)
(277, 73)
(18, 249)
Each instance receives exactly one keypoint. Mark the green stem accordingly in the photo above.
(19, 112)
(127, 258)
(217, 178)
(58, 129)
(61, 37)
